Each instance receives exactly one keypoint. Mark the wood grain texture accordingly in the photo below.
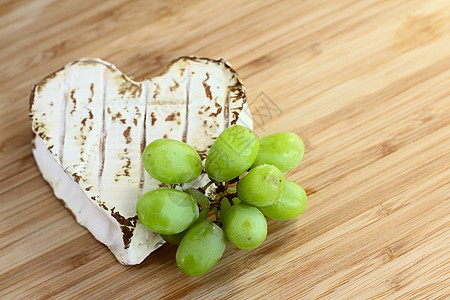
(364, 83)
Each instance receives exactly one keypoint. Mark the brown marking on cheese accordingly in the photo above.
(52, 103)
(126, 168)
(152, 115)
(135, 90)
(74, 101)
(200, 112)
(207, 108)
(175, 86)
(138, 112)
(170, 117)
(205, 122)
(39, 125)
(92, 93)
(104, 206)
(127, 226)
(117, 116)
(122, 220)
(235, 117)
(108, 110)
(84, 121)
(126, 134)
(202, 154)
(91, 115)
(40, 129)
(238, 92)
(207, 87)
(135, 121)
(218, 111)
(127, 235)
(44, 82)
(89, 188)
(50, 147)
(165, 136)
(157, 90)
(76, 177)
(123, 121)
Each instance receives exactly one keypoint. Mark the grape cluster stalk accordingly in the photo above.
(246, 175)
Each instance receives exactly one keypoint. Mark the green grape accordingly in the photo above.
(166, 211)
(171, 161)
(284, 150)
(198, 196)
(233, 152)
(291, 204)
(236, 200)
(201, 248)
(225, 205)
(262, 186)
(246, 226)
(203, 215)
(175, 239)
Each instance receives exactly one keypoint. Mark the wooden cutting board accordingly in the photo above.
(366, 84)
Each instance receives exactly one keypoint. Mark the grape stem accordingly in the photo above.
(221, 192)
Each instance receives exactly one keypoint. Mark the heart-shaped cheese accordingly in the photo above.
(92, 123)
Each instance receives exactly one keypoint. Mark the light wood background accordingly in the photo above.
(366, 84)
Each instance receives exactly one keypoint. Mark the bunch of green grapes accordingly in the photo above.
(238, 157)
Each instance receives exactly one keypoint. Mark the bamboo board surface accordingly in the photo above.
(366, 84)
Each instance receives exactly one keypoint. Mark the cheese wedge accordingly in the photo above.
(92, 122)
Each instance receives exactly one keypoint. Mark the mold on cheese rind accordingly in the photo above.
(94, 122)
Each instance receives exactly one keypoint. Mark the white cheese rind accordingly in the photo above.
(92, 123)
(102, 226)
(82, 124)
(123, 119)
